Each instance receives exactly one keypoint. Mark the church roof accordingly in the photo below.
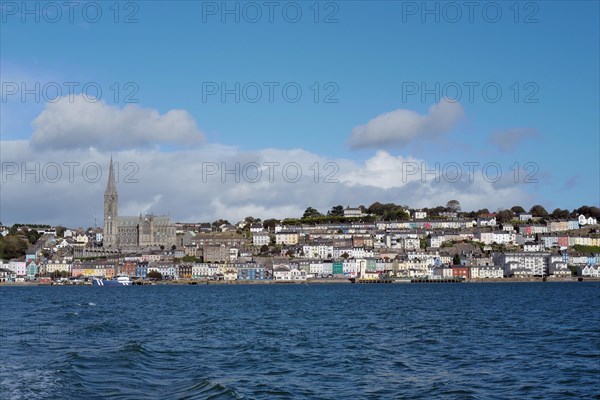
(135, 220)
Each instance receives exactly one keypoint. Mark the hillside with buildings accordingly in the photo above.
(381, 241)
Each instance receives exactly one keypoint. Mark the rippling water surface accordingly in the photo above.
(463, 341)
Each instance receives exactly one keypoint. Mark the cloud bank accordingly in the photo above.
(78, 123)
(60, 174)
(215, 181)
(401, 127)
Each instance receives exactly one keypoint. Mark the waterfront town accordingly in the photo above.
(378, 243)
(434, 244)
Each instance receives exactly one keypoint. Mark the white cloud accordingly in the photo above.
(173, 183)
(204, 183)
(400, 127)
(384, 170)
(78, 123)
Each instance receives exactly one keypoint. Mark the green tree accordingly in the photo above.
(12, 246)
(456, 259)
(586, 249)
(311, 213)
(504, 216)
(453, 205)
(190, 259)
(33, 236)
(269, 224)
(588, 211)
(220, 222)
(517, 209)
(560, 214)
(154, 275)
(388, 212)
(264, 248)
(538, 211)
(336, 211)
(60, 231)
(376, 208)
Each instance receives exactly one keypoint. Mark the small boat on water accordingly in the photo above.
(119, 281)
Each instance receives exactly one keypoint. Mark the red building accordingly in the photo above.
(563, 241)
(127, 268)
(460, 272)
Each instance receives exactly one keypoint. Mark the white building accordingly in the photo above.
(282, 272)
(353, 212)
(297, 274)
(54, 266)
(407, 241)
(357, 252)
(504, 237)
(320, 251)
(204, 270)
(490, 272)
(420, 214)
(435, 241)
(316, 269)
(536, 262)
(586, 221)
(166, 270)
(533, 247)
(559, 269)
(499, 237)
(549, 241)
(233, 254)
(525, 217)
(61, 244)
(256, 227)
(508, 227)
(350, 268)
(486, 221)
(260, 239)
(592, 271)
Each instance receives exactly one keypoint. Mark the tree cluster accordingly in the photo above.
(13, 246)
(389, 211)
(154, 275)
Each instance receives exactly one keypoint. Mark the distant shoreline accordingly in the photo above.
(315, 282)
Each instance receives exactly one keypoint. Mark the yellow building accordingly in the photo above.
(287, 238)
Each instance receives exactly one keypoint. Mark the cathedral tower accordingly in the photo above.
(111, 210)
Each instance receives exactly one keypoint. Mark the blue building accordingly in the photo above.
(251, 272)
(141, 269)
(32, 270)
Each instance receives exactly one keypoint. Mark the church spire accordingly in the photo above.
(111, 210)
(111, 187)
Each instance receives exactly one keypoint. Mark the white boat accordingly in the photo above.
(119, 281)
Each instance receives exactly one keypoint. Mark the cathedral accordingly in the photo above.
(133, 232)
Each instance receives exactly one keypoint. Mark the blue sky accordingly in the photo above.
(369, 57)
